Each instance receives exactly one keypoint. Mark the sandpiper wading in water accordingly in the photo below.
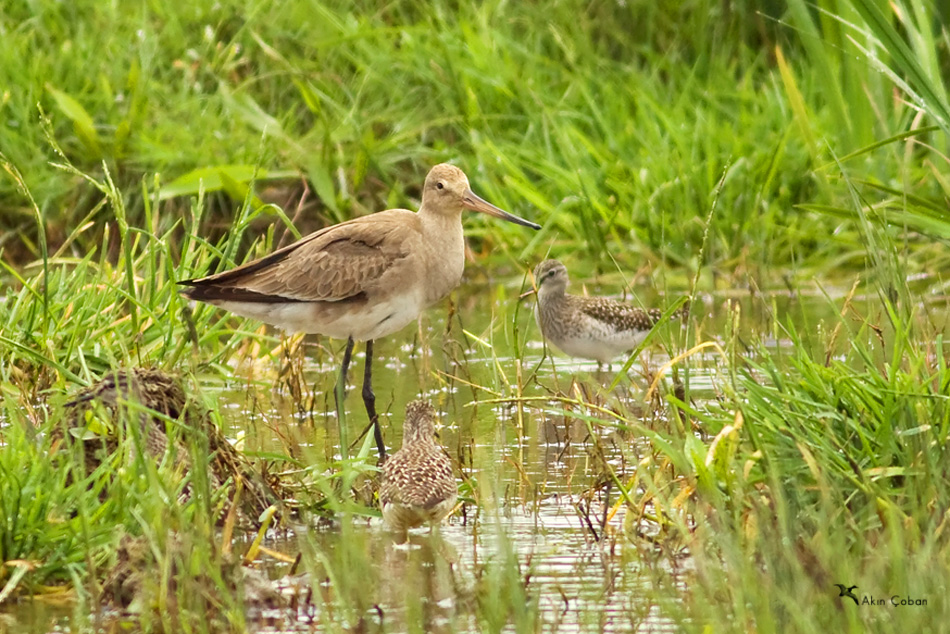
(417, 484)
(595, 328)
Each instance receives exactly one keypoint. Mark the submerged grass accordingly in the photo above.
(819, 130)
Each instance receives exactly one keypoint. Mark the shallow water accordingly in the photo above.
(538, 475)
(533, 479)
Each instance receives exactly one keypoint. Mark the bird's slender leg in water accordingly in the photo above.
(369, 401)
(340, 396)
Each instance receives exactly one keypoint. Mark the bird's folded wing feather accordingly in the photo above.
(422, 482)
(622, 316)
(334, 264)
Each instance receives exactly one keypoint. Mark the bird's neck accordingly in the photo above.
(417, 437)
(551, 294)
(444, 239)
(443, 223)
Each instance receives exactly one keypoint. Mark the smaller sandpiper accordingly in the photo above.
(417, 484)
(595, 328)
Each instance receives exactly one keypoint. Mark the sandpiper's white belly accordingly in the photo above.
(589, 338)
(336, 319)
(601, 349)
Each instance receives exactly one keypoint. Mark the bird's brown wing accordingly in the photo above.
(333, 264)
(417, 478)
(621, 316)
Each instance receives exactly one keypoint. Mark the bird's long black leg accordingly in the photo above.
(341, 397)
(347, 353)
(369, 401)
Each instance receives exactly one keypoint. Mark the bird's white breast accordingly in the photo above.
(590, 338)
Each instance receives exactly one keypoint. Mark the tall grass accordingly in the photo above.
(592, 120)
(824, 467)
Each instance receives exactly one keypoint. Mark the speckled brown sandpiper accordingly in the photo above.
(595, 328)
(361, 279)
(417, 484)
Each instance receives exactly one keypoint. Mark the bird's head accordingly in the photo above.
(447, 191)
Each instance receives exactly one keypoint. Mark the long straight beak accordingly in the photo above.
(472, 201)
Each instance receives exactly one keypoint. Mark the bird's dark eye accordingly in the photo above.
(439, 186)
